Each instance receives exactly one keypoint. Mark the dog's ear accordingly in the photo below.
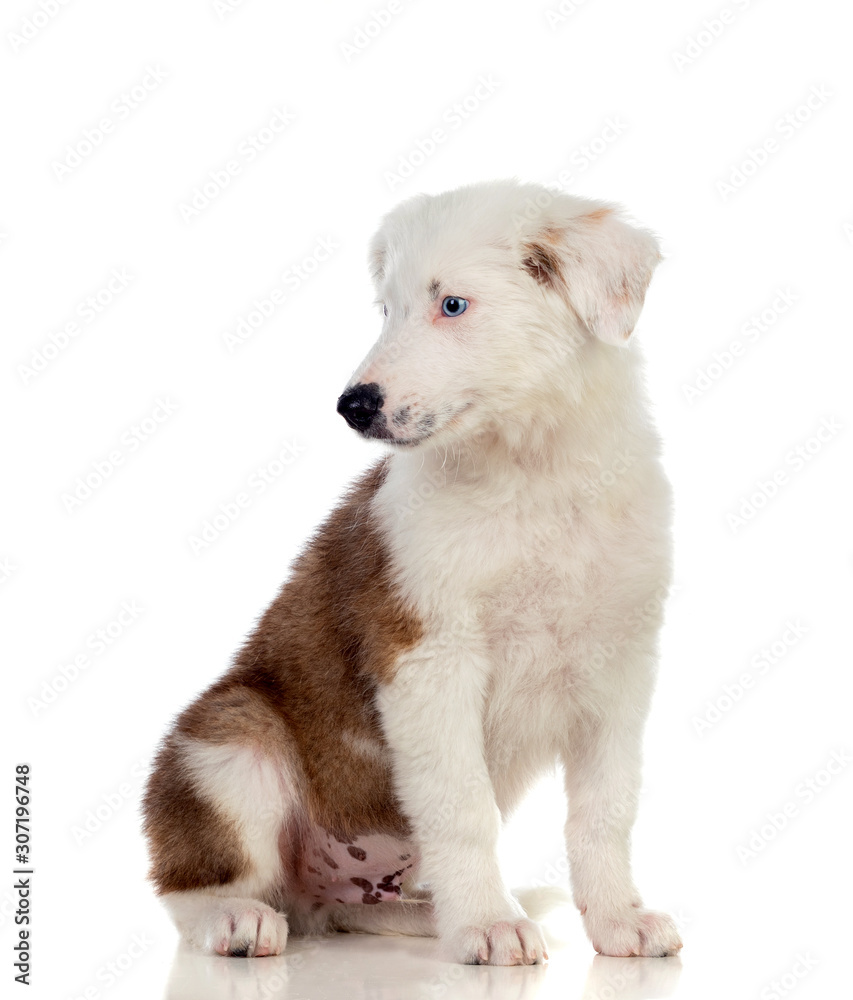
(601, 264)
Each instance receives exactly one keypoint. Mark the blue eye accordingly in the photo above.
(453, 306)
(385, 310)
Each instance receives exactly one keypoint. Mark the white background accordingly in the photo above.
(664, 120)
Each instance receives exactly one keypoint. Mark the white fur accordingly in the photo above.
(527, 519)
(522, 556)
(258, 796)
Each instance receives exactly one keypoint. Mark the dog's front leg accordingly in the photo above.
(602, 784)
(432, 714)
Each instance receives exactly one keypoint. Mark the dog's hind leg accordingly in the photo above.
(216, 815)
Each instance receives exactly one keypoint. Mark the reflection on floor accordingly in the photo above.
(367, 967)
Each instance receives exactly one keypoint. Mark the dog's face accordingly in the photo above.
(491, 296)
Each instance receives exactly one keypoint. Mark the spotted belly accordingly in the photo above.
(370, 869)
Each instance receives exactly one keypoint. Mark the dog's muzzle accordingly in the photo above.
(360, 405)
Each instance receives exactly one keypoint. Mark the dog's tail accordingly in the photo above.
(539, 902)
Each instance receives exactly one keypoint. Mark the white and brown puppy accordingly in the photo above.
(482, 604)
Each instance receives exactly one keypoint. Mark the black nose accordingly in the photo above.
(360, 404)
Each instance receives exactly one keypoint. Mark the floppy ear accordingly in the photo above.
(601, 264)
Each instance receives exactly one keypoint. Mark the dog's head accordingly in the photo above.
(491, 295)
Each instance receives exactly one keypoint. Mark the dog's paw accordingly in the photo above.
(508, 942)
(245, 928)
(632, 932)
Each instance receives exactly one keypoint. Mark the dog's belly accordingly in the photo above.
(369, 869)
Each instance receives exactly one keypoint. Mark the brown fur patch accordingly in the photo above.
(542, 263)
(553, 235)
(597, 214)
(190, 843)
(304, 681)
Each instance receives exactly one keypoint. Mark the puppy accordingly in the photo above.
(484, 603)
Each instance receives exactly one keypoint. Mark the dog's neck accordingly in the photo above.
(563, 436)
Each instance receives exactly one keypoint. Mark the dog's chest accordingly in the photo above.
(538, 612)
(533, 573)
(539, 576)
(533, 565)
